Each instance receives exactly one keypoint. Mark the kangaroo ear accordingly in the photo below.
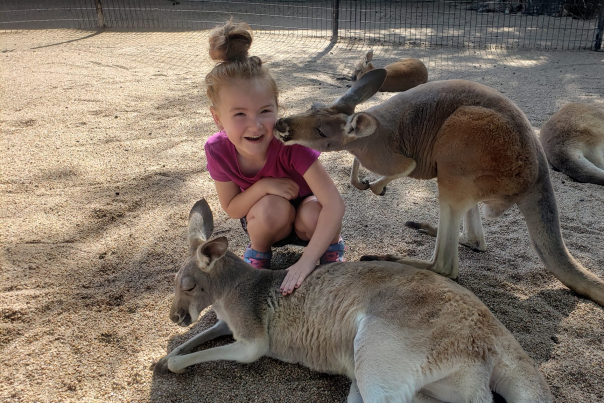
(368, 57)
(360, 125)
(363, 89)
(201, 223)
(208, 253)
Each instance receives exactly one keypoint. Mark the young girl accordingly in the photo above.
(274, 188)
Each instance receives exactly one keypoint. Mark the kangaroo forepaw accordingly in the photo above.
(385, 258)
(175, 367)
(161, 367)
(379, 191)
(361, 185)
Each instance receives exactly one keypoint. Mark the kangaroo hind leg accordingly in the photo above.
(387, 368)
(445, 258)
(473, 234)
(468, 383)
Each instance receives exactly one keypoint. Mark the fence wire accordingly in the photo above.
(542, 24)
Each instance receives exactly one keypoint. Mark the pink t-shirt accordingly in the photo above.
(282, 162)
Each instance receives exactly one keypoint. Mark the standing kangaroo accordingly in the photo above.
(399, 333)
(573, 140)
(400, 76)
(475, 141)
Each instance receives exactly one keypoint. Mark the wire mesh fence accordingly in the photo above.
(540, 24)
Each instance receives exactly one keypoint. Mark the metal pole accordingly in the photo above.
(335, 20)
(99, 12)
(600, 30)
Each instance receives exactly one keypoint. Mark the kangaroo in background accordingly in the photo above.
(474, 140)
(399, 333)
(573, 140)
(400, 76)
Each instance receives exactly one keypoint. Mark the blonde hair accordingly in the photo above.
(229, 45)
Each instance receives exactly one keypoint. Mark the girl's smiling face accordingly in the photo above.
(247, 112)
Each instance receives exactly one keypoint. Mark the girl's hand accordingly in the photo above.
(283, 187)
(295, 275)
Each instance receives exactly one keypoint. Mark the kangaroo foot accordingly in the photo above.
(427, 229)
(473, 244)
(378, 190)
(361, 185)
(422, 227)
(161, 367)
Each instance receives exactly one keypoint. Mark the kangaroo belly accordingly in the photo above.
(320, 345)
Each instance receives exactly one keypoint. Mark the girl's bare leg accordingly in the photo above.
(307, 216)
(268, 221)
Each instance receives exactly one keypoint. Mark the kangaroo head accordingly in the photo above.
(195, 282)
(331, 128)
(363, 66)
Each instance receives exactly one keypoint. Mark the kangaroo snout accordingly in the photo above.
(281, 130)
(281, 125)
(181, 317)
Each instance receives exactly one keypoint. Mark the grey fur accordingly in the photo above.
(573, 140)
(399, 333)
(474, 140)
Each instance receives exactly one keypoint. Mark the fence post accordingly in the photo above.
(600, 30)
(99, 12)
(334, 20)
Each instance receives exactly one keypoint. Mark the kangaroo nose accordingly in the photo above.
(281, 126)
(180, 317)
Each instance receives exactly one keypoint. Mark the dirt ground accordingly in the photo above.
(102, 158)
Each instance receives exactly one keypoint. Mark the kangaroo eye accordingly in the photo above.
(321, 133)
(188, 284)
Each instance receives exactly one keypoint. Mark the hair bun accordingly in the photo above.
(230, 42)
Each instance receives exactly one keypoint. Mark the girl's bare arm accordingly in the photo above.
(237, 203)
(328, 225)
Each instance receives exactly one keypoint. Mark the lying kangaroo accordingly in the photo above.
(401, 75)
(475, 141)
(573, 140)
(399, 333)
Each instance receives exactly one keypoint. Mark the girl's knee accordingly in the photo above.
(272, 212)
(307, 215)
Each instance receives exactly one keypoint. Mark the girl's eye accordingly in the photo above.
(266, 111)
(321, 133)
(240, 114)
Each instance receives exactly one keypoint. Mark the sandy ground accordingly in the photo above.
(102, 157)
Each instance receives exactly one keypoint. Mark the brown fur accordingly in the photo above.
(474, 140)
(401, 75)
(573, 140)
(401, 334)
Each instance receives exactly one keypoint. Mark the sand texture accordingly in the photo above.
(101, 151)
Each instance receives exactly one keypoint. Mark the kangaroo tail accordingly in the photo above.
(515, 376)
(540, 211)
(580, 169)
